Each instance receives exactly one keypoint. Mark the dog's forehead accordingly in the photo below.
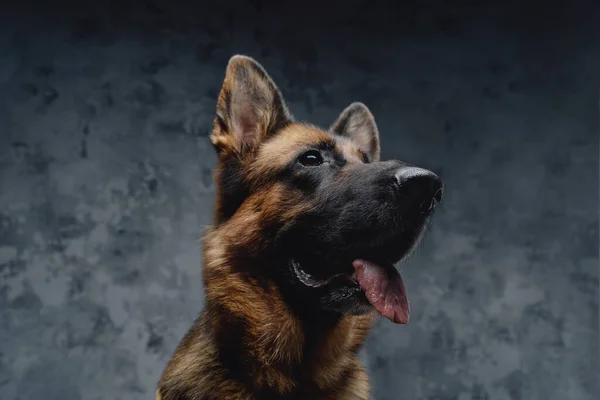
(297, 137)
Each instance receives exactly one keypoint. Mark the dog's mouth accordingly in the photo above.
(381, 283)
(363, 269)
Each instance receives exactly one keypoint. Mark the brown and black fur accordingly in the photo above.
(262, 335)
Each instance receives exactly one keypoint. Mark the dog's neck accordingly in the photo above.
(257, 335)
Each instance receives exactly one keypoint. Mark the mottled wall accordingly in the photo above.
(105, 184)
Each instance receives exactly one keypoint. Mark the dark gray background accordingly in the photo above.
(105, 184)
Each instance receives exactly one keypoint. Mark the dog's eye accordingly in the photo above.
(311, 158)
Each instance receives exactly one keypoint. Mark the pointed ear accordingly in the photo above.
(249, 109)
(358, 124)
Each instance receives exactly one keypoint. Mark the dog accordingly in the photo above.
(299, 262)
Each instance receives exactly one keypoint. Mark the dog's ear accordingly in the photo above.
(357, 123)
(250, 107)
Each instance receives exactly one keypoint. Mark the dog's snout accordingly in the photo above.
(420, 187)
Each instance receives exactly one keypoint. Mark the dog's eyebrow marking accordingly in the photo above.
(327, 144)
(292, 138)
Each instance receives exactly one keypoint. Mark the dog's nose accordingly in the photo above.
(420, 187)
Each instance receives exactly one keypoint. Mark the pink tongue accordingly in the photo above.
(384, 290)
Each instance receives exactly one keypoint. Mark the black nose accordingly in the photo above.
(419, 187)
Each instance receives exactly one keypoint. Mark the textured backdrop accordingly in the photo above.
(105, 184)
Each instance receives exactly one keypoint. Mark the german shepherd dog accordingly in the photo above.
(299, 262)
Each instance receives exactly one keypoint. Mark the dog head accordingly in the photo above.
(315, 210)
